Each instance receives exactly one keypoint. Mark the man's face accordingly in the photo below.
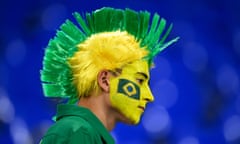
(130, 92)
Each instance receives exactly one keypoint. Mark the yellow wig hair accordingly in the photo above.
(107, 50)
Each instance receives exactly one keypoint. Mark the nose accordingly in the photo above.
(148, 95)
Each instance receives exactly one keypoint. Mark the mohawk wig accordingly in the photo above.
(107, 38)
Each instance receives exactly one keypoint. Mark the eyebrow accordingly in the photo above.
(143, 74)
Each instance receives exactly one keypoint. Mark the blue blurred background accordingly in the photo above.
(196, 81)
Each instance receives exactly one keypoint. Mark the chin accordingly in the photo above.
(132, 121)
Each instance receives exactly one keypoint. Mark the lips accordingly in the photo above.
(141, 107)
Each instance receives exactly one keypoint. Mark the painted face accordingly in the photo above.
(130, 92)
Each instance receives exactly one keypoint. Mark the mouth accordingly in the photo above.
(141, 107)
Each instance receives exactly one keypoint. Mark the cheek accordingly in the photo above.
(127, 106)
(124, 96)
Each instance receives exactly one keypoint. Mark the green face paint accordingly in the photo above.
(128, 88)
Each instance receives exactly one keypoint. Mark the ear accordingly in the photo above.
(104, 80)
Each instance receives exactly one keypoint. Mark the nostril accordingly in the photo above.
(147, 99)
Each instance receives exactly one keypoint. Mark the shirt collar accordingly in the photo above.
(73, 110)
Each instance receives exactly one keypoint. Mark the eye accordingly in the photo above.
(140, 81)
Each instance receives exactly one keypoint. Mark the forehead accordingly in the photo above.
(140, 66)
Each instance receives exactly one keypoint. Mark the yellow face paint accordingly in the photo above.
(130, 92)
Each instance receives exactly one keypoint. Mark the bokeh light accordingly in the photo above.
(20, 132)
(189, 140)
(7, 112)
(156, 121)
(232, 128)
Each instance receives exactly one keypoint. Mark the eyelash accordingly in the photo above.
(140, 81)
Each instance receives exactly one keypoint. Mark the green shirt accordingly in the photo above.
(76, 125)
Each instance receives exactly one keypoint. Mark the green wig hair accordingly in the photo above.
(57, 74)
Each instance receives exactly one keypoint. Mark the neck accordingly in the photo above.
(100, 106)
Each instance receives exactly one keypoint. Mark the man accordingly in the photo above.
(103, 69)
